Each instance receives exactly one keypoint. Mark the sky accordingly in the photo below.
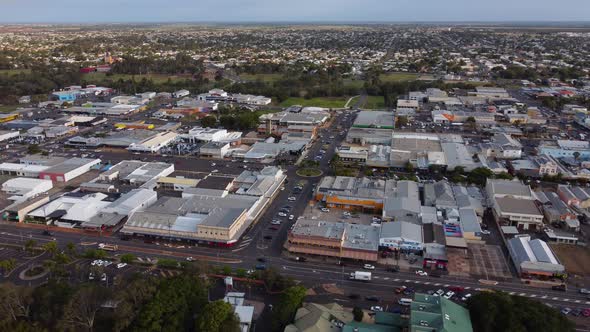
(93, 11)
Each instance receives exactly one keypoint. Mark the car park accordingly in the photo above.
(449, 294)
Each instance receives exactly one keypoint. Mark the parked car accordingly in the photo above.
(275, 222)
(584, 291)
(189, 259)
(121, 265)
(291, 217)
(449, 294)
(372, 298)
(368, 267)
(260, 267)
(566, 311)
(440, 292)
(325, 209)
(46, 233)
(261, 259)
(292, 199)
(421, 273)
(466, 297)
(376, 308)
(282, 214)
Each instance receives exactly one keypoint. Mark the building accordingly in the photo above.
(25, 170)
(440, 195)
(534, 258)
(214, 220)
(71, 209)
(68, 169)
(502, 146)
(522, 213)
(180, 93)
(374, 119)
(490, 92)
(566, 148)
(154, 143)
(113, 214)
(6, 135)
(403, 203)
(357, 194)
(334, 239)
(314, 317)
(496, 188)
(470, 224)
(436, 313)
(199, 134)
(136, 172)
(20, 189)
(369, 136)
(408, 103)
(402, 236)
(555, 210)
(176, 183)
(217, 150)
(245, 313)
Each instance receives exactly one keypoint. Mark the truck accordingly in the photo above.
(360, 275)
(108, 247)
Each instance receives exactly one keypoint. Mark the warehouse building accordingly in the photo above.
(69, 169)
(20, 189)
(154, 143)
(533, 257)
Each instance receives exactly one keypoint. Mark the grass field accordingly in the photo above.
(574, 258)
(7, 108)
(11, 72)
(373, 102)
(398, 77)
(327, 102)
(353, 83)
(157, 78)
(261, 77)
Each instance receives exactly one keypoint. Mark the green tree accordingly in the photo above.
(80, 312)
(409, 167)
(576, 155)
(285, 310)
(33, 149)
(498, 311)
(213, 316)
(30, 245)
(71, 249)
(127, 258)
(50, 247)
(95, 254)
(358, 314)
(208, 121)
(227, 270)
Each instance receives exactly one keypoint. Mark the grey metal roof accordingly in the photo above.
(469, 220)
(402, 229)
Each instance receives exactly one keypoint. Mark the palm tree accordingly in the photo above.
(71, 249)
(30, 245)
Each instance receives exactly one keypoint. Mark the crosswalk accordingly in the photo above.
(244, 244)
(542, 297)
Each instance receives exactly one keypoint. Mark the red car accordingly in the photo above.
(456, 289)
(586, 312)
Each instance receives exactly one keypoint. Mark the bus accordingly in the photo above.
(405, 302)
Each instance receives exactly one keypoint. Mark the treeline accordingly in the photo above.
(181, 64)
(141, 304)
(522, 73)
(41, 79)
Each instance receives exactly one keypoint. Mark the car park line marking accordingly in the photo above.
(533, 295)
(385, 278)
(446, 285)
(544, 296)
(566, 300)
(375, 277)
(521, 294)
(437, 284)
(511, 293)
(587, 302)
(406, 280)
(467, 287)
(577, 301)
(427, 283)
(396, 279)
(555, 298)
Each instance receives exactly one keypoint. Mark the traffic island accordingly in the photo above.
(33, 272)
(309, 172)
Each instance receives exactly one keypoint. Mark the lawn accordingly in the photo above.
(373, 102)
(8, 108)
(157, 78)
(11, 72)
(398, 77)
(574, 258)
(353, 83)
(327, 102)
(261, 77)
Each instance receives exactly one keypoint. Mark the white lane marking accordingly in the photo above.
(511, 293)
(406, 280)
(417, 281)
(566, 300)
(427, 283)
(467, 287)
(395, 279)
(577, 301)
(544, 296)
(555, 298)
(521, 294)
(533, 295)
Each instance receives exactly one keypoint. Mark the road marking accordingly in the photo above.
(446, 285)
(511, 293)
(533, 295)
(577, 301)
(427, 283)
(375, 277)
(521, 294)
(566, 300)
(406, 280)
(587, 302)
(386, 278)
(544, 296)
(396, 279)
(437, 284)
(417, 281)
(467, 287)
(555, 298)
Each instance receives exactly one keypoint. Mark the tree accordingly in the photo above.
(50, 247)
(290, 301)
(409, 167)
(127, 258)
(71, 249)
(30, 245)
(33, 149)
(214, 315)
(227, 270)
(402, 121)
(208, 121)
(15, 301)
(358, 314)
(576, 155)
(498, 311)
(81, 310)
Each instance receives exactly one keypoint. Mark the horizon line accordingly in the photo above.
(499, 22)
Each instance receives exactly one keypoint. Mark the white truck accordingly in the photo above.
(360, 275)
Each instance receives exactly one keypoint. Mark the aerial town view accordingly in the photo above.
(322, 166)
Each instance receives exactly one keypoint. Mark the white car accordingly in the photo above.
(466, 297)
(291, 217)
(214, 171)
(121, 265)
(421, 273)
(325, 210)
(189, 259)
(282, 214)
(376, 308)
(439, 292)
(368, 267)
(292, 199)
(485, 232)
(449, 294)
(106, 263)
(103, 277)
(213, 164)
(275, 222)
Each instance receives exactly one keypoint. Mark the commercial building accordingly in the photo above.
(244, 312)
(176, 183)
(180, 93)
(105, 109)
(334, 239)
(408, 103)
(15, 169)
(199, 134)
(154, 143)
(136, 172)
(126, 205)
(216, 150)
(369, 136)
(206, 219)
(357, 194)
(566, 148)
(522, 213)
(470, 224)
(490, 92)
(533, 258)
(374, 119)
(20, 189)
(264, 152)
(403, 236)
(403, 203)
(314, 317)
(6, 135)
(70, 210)
(436, 313)
(69, 169)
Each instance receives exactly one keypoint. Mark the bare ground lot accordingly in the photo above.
(576, 259)
(488, 261)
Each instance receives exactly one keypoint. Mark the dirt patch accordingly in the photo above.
(333, 289)
(458, 262)
(488, 261)
(576, 259)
